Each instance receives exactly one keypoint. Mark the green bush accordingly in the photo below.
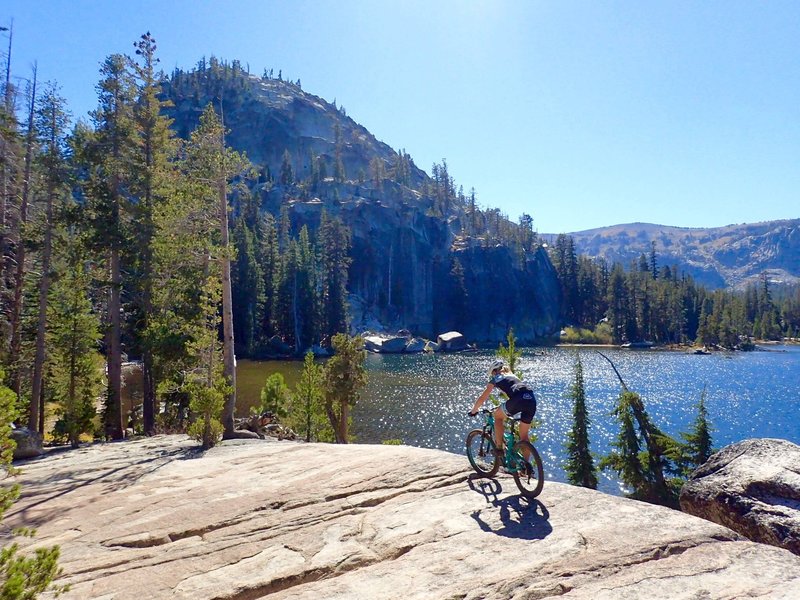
(577, 335)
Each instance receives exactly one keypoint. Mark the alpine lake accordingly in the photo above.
(423, 399)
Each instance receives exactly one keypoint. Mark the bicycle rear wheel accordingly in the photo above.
(480, 451)
(529, 476)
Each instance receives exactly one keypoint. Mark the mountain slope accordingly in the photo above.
(418, 244)
(729, 256)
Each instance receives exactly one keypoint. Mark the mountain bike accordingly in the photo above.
(528, 474)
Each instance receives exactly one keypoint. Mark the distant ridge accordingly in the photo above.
(727, 256)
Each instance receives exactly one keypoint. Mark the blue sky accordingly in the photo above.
(582, 114)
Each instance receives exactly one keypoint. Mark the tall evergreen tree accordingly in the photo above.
(153, 157)
(307, 410)
(76, 367)
(344, 377)
(52, 121)
(333, 242)
(580, 466)
(697, 441)
(107, 155)
(19, 257)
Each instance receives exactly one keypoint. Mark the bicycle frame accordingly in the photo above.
(510, 458)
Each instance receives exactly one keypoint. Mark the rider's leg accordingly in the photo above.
(524, 428)
(499, 426)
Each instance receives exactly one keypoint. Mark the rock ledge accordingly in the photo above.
(155, 518)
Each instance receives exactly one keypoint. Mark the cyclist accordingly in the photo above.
(520, 400)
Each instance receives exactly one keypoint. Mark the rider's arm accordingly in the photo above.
(482, 398)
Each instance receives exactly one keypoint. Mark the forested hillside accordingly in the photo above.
(212, 213)
(421, 250)
(731, 256)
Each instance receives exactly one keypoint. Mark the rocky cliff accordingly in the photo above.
(155, 518)
(729, 256)
(406, 235)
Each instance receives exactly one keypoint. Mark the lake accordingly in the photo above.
(422, 399)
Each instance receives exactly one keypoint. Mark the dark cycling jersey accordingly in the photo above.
(520, 396)
(510, 385)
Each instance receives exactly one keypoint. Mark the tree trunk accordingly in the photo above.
(116, 427)
(19, 281)
(44, 288)
(343, 418)
(227, 313)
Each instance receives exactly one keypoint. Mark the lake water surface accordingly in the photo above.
(423, 399)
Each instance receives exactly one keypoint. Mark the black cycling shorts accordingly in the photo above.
(524, 402)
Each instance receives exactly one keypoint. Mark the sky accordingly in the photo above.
(581, 114)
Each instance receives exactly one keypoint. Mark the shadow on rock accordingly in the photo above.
(114, 477)
(512, 516)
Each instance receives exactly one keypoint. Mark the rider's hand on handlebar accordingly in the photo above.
(473, 413)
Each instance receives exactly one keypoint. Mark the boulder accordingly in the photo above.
(753, 487)
(29, 443)
(451, 341)
(157, 518)
(415, 345)
(384, 345)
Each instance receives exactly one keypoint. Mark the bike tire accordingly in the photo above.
(480, 452)
(528, 477)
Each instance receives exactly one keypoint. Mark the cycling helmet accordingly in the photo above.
(496, 366)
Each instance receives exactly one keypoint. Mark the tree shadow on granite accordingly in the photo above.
(511, 516)
(112, 478)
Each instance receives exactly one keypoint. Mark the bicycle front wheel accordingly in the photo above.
(480, 451)
(529, 474)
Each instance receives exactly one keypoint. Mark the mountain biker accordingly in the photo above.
(520, 400)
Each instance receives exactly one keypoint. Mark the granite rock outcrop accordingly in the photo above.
(753, 487)
(156, 518)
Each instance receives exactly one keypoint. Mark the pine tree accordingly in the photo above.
(76, 369)
(510, 354)
(580, 466)
(697, 441)
(107, 155)
(248, 289)
(287, 173)
(152, 160)
(307, 409)
(52, 120)
(345, 375)
(333, 244)
(338, 164)
(19, 257)
(275, 396)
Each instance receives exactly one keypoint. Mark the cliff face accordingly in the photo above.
(156, 518)
(404, 242)
(730, 256)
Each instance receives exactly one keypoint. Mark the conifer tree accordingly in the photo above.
(106, 154)
(287, 173)
(345, 375)
(275, 396)
(580, 466)
(19, 256)
(697, 447)
(307, 409)
(333, 243)
(248, 289)
(152, 158)
(338, 164)
(52, 120)
(510, 354)
(76, 367)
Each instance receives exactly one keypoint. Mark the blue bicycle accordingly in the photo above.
(528, 474)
